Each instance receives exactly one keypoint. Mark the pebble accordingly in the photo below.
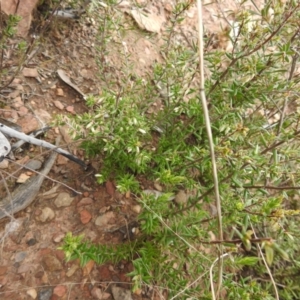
(60, 290)
(3, 270)
(4, 164)
(98, 294)
(20, 256)
(46, 215)
(181, 197)
(85, 216)
(22, 178)
(63, 199)
(136, 208)
(72, 270)
(85, 201)
(158, 186)
(32, 293)
(45, 294)
(52, 263)
(59, 105)
(121, 293)
(58, 237)
(104, 219)
(59, 92)
(30, 72)
(31, 242)
(34, 164)
(24, 268)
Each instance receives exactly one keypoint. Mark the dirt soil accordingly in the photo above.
(31, 266)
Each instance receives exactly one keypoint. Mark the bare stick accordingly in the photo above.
(211, 145)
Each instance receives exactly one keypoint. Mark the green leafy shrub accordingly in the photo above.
(253, 95)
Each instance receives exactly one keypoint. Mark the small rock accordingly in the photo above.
(61, 160)
(58, 237)
(181, 197)
(136, 208)
(98, 294)
(32, 293)
(60, 290)
(110, 188)
(28, 123)
(121, 293)
(22, 178)
(45, 294)
(4, 164)
(105, 219)
(72, 270)
(158, 186)
(20, 256)
(88, 268)
(85, 216)
(70, 109)
(43, 115)
(52, 263)
(85, 201)
(31, 242)
(59, 92)
(22, 111)
(24, 268)
(30, 72)
(59, 105)
(34, 164)
(63, 199)
(46, 215)
(3, 270)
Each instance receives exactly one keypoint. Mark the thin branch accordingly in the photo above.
(237, 241)
(266, 265)
(271, 187)
(210, 140)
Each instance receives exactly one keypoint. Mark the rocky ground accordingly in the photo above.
(31, 266)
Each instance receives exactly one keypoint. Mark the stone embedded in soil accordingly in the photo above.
(158, 186)
(136, 208)
(45, 294)
(22, 111)
(28, 123)
(98, 294)
(88, 268)
(85, 216)
(105, 219)
(121, 293)
(58, 237)
(31, 242)
(72, 270)
(32, 293)
(22, 178)
(85, 201)
(110, 188)
(59, 105)
(70, 109)
(60, 290)
(51, 263)
(30, 72)
(46, 215)
(34, 164)
(20, 256)
(4, 164)
(63, 199)
(181, 197)
(24, 268)
(59, 92)
(61, 160)
(3, 270)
